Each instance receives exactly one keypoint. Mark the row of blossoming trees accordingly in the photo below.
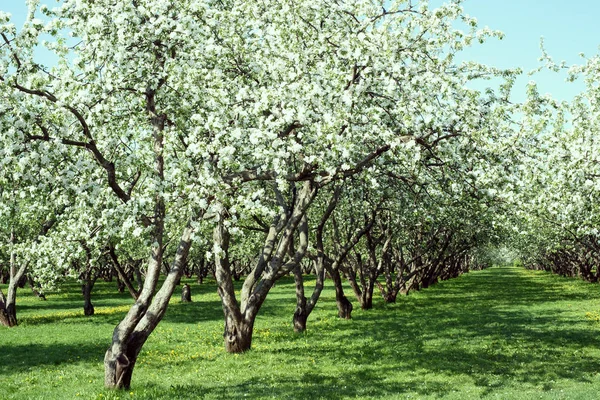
(337, 138)
(559, 213)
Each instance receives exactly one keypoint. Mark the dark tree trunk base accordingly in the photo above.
(238, 338)
(299, 321)
(390, 297)
(117, 371)
(186, 294)
(7, 319)
(8, 311)
(88, 309)
(344, 308)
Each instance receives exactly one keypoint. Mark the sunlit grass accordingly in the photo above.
(502, 333)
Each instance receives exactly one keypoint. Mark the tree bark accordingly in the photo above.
(277, 259)
(186, 294)
(301, 313)
(8, 303)
(120, 357)
(148, 310)
(8, 314)
(143, 317)
(343, 304)
(238, 335)
(367, 298)
(89, 278)
(88, 307)
(304, 306)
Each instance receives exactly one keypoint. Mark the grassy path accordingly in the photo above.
(503, 333)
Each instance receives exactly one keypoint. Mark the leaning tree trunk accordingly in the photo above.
(36, 289)
(121, 356)
(278, 258)
(148, 310)
(123, 280)
(143, 317)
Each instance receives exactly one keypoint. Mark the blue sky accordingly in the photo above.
(568, 29)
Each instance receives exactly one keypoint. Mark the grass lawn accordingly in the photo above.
(503, 333)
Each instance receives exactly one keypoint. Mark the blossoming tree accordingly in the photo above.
(185, 116)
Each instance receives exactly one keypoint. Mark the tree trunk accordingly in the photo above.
(278, 257)
(301, 314)
(8, 312)
(343, 304)
(148, 310)
(391, 297)
(238, 335)
(118, 366)
(367, 302)
(122, 278)
(120, 285)
(186, 294)
(201, 271)
(139, 279)
(22, 281)
(389, 293)
(367, 298)
(306, 306)
(8, 303)
(300, 318)
(121, 356)
(143, 317)
(88, 277)
(88, 307)
(344, 307)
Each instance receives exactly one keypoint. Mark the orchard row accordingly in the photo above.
(260, 139)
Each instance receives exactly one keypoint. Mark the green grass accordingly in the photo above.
(503, 333)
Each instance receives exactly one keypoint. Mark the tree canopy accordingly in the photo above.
(267, 138)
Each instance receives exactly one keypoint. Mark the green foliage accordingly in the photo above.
(499, 333)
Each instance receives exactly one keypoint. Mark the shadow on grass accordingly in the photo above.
(194, 312)
(67, 306)
(14, 359)
(304, 386)
(494, 329)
